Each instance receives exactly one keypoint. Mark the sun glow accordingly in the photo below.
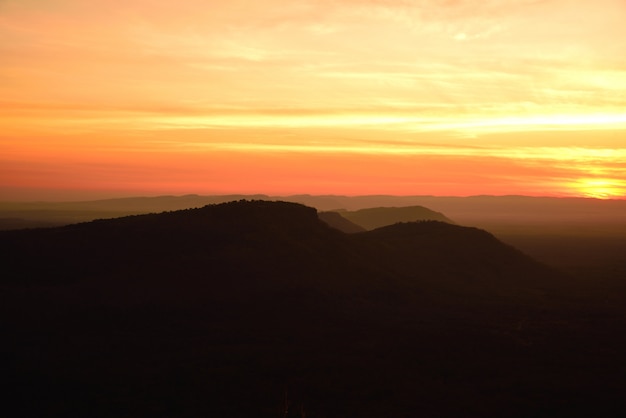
(601, 188)
(394, 96)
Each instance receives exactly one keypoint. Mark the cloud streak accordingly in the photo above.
(506, 75)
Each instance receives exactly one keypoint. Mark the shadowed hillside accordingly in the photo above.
(337, 221)
(231, 310)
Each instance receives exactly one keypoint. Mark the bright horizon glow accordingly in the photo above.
(600, 188)
(418, 97)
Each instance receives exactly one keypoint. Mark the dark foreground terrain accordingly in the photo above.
(260, 309)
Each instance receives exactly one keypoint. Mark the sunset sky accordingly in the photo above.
(405, 97)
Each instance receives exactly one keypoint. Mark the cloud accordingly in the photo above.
(529, 58)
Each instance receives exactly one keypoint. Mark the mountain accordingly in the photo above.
(582, 236)
(335, 220)
(372, 218)
(16, 215)
(257, 308)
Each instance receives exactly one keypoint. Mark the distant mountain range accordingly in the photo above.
(260, 308)
(277, 236)
(372, 218)
(483, 211)
(574, 234)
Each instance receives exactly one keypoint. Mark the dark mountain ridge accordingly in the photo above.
(228, 309)
(582, 236)
(255, 237)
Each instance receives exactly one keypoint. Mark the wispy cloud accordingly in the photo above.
(507, 74)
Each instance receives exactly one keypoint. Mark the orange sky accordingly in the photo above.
(408, 97)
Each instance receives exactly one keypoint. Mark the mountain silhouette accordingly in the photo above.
(256, 308)
(372, 218)
(337, 221)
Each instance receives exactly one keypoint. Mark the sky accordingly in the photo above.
(403, 97)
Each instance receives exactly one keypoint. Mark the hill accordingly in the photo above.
(231, 310)
(16, 215)
(335, 220)
(584, 237)
(372, 218)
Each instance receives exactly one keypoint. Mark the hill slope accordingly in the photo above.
(335, 220)
(372, 218)
(227, 310)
